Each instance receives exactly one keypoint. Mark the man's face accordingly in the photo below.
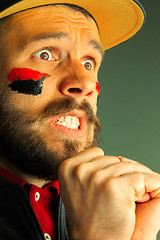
(49, 66)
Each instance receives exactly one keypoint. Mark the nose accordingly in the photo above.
(81, 87)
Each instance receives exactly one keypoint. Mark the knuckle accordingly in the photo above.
(112, 160)
(115, 159)
(80, 171)
(128, 166)
(138, 176)
(107, 184)
(99, 151)
(64, 168)
(124, 159)
(111, 185)
(96, 178)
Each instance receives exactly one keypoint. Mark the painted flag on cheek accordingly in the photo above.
(98, 88)
(26, 81)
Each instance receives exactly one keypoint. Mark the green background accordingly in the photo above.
(129, 104)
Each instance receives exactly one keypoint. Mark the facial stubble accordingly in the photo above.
(22, 145)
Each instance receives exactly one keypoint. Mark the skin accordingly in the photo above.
(66, 67)
(100, 193)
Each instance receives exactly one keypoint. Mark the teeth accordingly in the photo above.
(63, 124)
(61, 119)
(74, 120)
(68, 119)
(69, 122)
(68, 125)
(78, 121)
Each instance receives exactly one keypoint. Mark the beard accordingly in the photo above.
(24, 148)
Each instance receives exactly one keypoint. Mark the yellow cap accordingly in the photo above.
(117, 20)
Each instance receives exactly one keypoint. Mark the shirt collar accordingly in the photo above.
(14, 179)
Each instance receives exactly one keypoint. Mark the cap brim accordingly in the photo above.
(117, 20)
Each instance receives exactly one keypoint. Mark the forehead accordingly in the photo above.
(53, 18)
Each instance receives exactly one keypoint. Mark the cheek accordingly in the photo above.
(26, 81)
(93, 103)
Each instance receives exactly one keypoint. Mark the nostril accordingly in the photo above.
(74, 90)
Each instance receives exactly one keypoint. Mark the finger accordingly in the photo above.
(155, 193)
(86, 155)
(152, 185)
(119, 169)
(68, 166)
(102, 162)
(145, 198)
(123, 159)
(143, 183)
(84, 171)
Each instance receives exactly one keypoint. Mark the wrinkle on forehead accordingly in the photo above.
(29, 24)
(53, 19)
(56, 14)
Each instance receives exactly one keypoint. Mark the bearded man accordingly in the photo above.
(55, 182)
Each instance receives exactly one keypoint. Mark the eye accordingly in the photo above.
(89, 64)
(47, 55)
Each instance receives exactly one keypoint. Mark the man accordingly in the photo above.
(50, 55)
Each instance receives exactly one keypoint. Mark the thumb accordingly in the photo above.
(143, 183)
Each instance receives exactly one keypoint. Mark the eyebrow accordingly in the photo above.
(62, 35)
(44, 36)
(96, 45)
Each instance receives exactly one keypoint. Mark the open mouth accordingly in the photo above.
(72, 124)
(69, 122)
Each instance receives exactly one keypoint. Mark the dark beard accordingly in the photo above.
(25, 149)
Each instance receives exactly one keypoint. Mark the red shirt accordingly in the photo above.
(43, 201)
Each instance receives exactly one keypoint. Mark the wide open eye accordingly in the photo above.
(47, 55)
(89, 64)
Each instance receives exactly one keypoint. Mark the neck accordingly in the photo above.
(30, 179)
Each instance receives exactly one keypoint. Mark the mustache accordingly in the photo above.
(64, 106)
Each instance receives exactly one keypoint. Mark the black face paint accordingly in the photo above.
(26, 81)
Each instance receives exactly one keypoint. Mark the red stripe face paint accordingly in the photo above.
(26, 81)
(98, 88)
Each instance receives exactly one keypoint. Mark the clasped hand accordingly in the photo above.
(109, 198)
